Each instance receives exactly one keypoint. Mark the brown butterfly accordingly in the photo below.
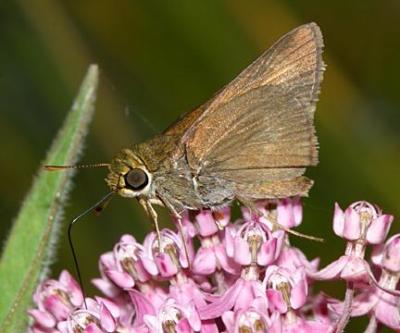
(252, 140)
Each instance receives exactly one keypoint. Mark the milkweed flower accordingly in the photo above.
(232, 276)
(55, 300)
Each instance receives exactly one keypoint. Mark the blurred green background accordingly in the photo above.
(159, 59)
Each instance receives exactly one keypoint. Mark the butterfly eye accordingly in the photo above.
(136, 179)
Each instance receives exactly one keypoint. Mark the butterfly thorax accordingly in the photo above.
(169, 180)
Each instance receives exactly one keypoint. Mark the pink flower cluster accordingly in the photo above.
(235, 277)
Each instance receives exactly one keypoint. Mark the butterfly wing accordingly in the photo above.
(258, 132)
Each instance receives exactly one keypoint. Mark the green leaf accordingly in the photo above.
(30, 246)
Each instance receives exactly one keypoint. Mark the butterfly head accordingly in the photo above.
(128, 175)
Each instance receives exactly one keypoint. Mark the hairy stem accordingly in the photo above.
(345, 317)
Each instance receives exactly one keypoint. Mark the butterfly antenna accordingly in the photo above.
(97, 207)
(75, 166)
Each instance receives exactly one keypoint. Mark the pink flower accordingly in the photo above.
(361, 220)
(125, 267)
(100, 316)
(105, 284)
(285, 290)
(361, 224)
(188, 228)
(239, 296)
(209, 223)
(55, 300)
(253, 243)
(387, 256)
(212, 256)
(374, 300)
(290, 212)
(173, 317)
(254, 319)
(240, 277)
(287, 293)
(168, 260)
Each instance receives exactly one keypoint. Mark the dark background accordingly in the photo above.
(159, 59)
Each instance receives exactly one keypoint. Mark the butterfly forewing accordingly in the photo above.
(257, 133)
(287, 76)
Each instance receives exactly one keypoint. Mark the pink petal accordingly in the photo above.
(354, 270)
(260, 304)
(285, 213)
(111, 306)
(391, 259)
(57, 307)
(206, 224)
(244, 297)
(338, 220)
(352, 225)
(209, 326)
(43, 318)
(331, 271)
(204, 262)
(313, 326)
(183, 326)
(188, 227)
(127, 238)
(228, 317)
(297, 211)
(165, 265)
(193, 318)
(379, 229)
(222, 304)
(242, 252)
(266, 254)
(227, 263)
(149, 265)
(279, 235)
(298, 294)
(121, 279)
(143, 274)
(62, 326)
(156, 296)
(73, 288)
(152, 323)
(276, 300)
(92, 328)
(388, 313)
(142, 306)
(92, 305)
(106, 319)
(229, 241)
(106, 287)
(107, 260)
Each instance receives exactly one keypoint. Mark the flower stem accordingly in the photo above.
(344, 318)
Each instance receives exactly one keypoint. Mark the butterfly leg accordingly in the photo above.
(154, 216)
